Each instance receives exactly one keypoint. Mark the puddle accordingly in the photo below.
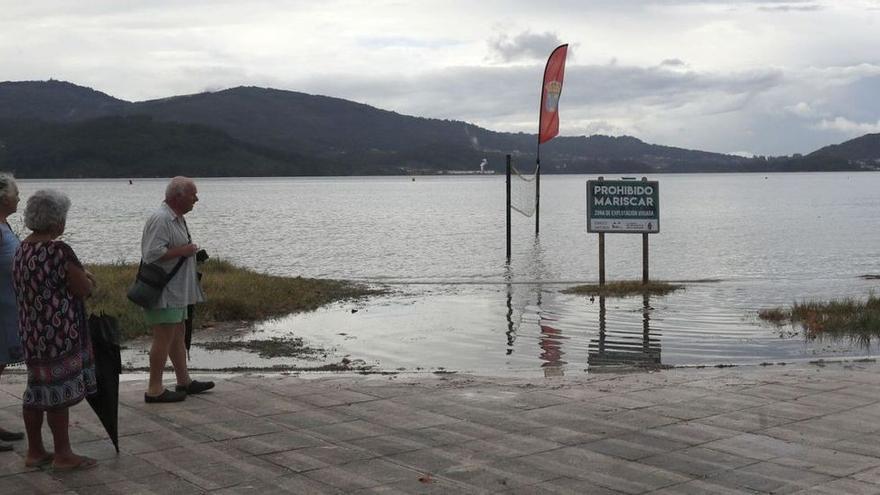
(514, 329)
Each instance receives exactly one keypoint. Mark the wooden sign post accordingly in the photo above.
(625, 207)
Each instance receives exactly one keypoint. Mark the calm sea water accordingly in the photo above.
(439, 244)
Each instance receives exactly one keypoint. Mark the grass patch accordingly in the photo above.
(234, 294)
(625, 288)
(777, 316)
(267, 349)
(839, 318)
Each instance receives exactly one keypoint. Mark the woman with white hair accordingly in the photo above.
(51, 285)
(10, 344)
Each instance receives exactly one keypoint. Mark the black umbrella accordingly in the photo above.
(104, 332)
(188, 334)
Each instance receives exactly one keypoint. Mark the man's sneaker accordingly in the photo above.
(165, 396)
(195, 387)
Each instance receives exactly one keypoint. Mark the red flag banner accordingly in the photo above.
(548, 126)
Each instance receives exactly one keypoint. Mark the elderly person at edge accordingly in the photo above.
(166, 241)
(10, 343)
(51, 286)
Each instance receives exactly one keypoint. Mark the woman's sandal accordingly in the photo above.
(45, 461)
(83, 464)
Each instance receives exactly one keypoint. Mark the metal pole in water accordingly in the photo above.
(601, 253)
(508, 209)
(538, 194)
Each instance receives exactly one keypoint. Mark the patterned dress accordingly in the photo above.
(52, 326)
(10, 344)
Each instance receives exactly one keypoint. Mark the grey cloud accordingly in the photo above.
(506, 98)
(673, 62)
(791, 8)
(524, 46)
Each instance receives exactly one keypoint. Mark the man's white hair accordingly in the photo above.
(178, 186)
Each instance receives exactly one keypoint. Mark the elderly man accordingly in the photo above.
(166, 241)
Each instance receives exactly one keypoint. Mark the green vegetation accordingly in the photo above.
(270, 348)
(625, 288)
(234, 294)
(840, 318)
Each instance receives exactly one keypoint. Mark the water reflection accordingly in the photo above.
(551, 350)
(619, 348)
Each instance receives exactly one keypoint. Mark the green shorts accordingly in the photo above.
(164, 316)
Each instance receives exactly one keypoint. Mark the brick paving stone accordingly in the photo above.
(336, 398)
(362, 474)
(606, 471)
(294, 484)
(563, 436)
(386, 445)
(254, 403)
(777, 391)
(685, 411)
(499, 475)
(439, 459)
(429, 486)
(868, 476)
(835, 401)
(819, 431)
(274, 442)
(746, 421)
(862, 444)
(331, 454)
(759, 447)
(692, 433)
(634, 446)
(768, 477)
(238, 428)
(844, 485)
(701, 487)
(349, 431)
(34, 482)
(297, 461)
(310, 418)
(571, 486)
(697, 461)
(828, 461)
(145, 486)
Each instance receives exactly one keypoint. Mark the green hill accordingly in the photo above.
(55, 128)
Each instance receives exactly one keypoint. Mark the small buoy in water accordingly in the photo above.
(129, 182)
(414, 179)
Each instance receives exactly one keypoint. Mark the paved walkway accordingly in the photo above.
(773, 429)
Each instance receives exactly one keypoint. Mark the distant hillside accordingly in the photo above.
(865, 148)
(292, 133)
(55, 101)
(139, 147)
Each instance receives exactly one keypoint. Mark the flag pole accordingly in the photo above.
(548, 117)
(538, 191)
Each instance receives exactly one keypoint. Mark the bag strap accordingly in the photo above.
(173, 270)
(176, 268)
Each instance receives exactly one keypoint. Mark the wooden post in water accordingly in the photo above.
(508, 209)
(644, 252)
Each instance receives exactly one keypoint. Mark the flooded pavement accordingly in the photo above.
(520, 329)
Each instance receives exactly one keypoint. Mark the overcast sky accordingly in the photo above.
(767, 77)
